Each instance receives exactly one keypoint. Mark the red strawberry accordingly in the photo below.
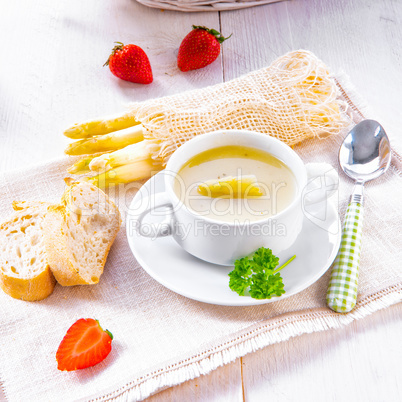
(199, 48)
(85, 344)
(130, 63)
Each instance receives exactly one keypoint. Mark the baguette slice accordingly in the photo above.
(79, 233)
(24, 268)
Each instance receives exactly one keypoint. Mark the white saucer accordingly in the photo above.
(162, 258)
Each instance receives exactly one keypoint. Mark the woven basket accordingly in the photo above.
(204, 5)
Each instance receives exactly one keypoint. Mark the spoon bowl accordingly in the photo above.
(365, 153)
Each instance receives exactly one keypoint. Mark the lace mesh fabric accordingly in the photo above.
(293, 99)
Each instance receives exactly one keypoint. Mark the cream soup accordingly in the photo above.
(276, 183)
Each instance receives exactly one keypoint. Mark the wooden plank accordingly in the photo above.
(54, 75)
(359, 37)
(260, 35)
(222, 385)
(357, 363)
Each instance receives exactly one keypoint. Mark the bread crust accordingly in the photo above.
(28, 288)
(34, 289)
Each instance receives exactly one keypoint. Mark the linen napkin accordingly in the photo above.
(161, 338)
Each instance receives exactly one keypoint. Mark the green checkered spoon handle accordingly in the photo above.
(365, 154)
(342, 289)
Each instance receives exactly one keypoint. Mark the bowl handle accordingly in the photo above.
(155, 229)
(322, 183)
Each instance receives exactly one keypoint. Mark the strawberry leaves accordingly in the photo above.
(119, 46)
(219, 37)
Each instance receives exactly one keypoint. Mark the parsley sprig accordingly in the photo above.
(258, 275)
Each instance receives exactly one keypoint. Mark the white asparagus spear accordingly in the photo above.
(127, 173)
(107, 142)
(125, 156)
(100, 126)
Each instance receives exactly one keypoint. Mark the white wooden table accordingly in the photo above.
(51, 75)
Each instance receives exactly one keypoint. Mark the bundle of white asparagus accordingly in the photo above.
(293, 99)
(114, 149)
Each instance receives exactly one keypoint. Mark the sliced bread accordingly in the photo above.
(79, 233)
(24, 268)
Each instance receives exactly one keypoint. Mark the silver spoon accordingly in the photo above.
(365, 154)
